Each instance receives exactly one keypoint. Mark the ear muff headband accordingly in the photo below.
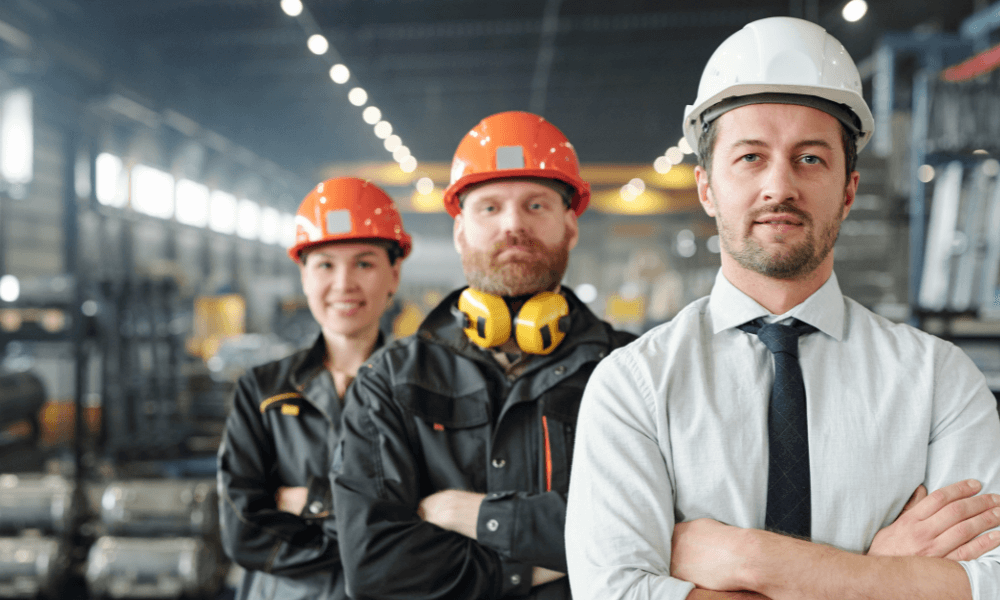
(539, 326)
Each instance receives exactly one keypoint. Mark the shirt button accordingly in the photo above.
(601, 354)
(511, 377)
(493, 525)
(315, 507)
(498, 463)
(515, 579)
(560, 370)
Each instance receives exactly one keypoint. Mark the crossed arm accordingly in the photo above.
(458, 511)
(943, 525)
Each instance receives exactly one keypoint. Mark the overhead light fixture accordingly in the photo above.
(854, 10)
(292, 8)
(674, 155)
(392, 142)
(400, 154)
(662, 165)
(357, 96)
(317, 44)
(10, 288)
(383, 129)
(339, 73)
(409, 164)
(425, 185)
(372, 115)
(684, 146)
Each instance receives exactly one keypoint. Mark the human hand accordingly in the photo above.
(540, 575)
(454, 510)
(708, 554)
(291, 499)
(947, 523)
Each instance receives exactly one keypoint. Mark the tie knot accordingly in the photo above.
(779, 338)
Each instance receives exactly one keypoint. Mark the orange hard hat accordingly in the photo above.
(515, 144)
(347, 208)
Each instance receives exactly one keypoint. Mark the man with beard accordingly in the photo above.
(764, 442)
(452, 475)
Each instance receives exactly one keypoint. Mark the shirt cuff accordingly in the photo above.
(495, 528)
(516, 578)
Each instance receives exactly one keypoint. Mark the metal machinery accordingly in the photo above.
(36, 513)
(21, 398)
(161, 541)
(951, 177)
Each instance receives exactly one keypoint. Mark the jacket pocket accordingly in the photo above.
(449, 412)
(559, 412)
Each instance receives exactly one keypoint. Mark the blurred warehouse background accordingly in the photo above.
(152, 154)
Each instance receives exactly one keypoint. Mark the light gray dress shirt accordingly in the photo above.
(673, 427)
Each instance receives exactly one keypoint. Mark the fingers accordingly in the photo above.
(918, 494)
(981, 514)
(966, 518)
(977, 547)
(938, 499)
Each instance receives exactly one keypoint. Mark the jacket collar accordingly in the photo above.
(310, 377)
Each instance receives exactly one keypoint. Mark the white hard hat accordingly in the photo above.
(784, 60)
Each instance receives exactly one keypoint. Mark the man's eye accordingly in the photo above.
(364, 264)
(536, 206)
(809, 159)
(750, 158)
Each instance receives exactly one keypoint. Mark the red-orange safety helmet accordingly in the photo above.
(347, 208)
(515, 144)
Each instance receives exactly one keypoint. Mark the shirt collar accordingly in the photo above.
(824, 309)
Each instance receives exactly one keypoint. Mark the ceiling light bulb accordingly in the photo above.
(339, 73)
(392, 142)
(357, 96)
(674, 155)
(409, 165)
(292, 8)
(400, 154)
(318, 44)
(372, 115)
(425, 185)
(383, 129)
(685, 146)
(854, 10)
(662, 165)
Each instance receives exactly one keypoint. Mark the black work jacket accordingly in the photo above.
(284, 420)
(420, 419)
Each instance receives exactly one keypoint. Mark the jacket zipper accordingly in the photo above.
(548, 454)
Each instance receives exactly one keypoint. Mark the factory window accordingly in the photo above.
(222, 212)
(108, 169)
(16, 137)
(152, 192)
(248, 219)
(192, 203)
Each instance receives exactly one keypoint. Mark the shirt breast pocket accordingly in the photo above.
(452, 434)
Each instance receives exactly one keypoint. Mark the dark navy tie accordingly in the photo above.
(788, 489)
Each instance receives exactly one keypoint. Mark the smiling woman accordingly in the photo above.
(349, 246)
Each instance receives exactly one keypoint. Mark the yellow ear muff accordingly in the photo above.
(542, 323)
(487, 321)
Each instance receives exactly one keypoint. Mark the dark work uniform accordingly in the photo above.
(434, 412)
(284, 421)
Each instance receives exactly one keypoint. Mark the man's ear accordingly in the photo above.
(705, 196)
(850, 192)
(572, 230)
(458, 230)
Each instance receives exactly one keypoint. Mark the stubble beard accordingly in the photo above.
(542, 270)
(792, 262)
